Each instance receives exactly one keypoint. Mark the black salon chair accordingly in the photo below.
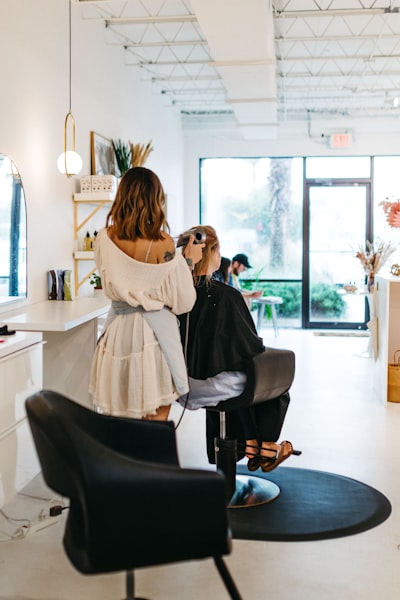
(270, 375)
(131, 505)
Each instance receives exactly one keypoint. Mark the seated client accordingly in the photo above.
(219, 337)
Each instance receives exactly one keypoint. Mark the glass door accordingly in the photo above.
(338, 220)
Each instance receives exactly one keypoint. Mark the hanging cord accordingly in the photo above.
(70, 56)
(185, 356)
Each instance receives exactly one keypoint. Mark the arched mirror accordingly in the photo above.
(12, 233)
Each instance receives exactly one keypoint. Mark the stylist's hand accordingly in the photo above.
(193, 252)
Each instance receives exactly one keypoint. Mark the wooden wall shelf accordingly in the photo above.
(98, 200)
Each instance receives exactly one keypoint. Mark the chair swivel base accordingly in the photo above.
(242, 490)
(130, 587)
(253, 491)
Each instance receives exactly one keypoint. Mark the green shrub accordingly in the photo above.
(289, 292)
(324, 298)
(326, 301)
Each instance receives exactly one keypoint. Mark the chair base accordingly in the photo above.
(130, 587)
(253, 491)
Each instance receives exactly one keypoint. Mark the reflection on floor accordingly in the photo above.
(340, 426)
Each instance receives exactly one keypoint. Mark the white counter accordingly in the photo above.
(388, 327)
(21, 374)
(56, 315)
(20, 340)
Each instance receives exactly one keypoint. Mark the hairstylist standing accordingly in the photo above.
(138, 368)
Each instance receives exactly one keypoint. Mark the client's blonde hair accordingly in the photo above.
(211, 246)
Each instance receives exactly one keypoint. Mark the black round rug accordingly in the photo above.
(312, 505)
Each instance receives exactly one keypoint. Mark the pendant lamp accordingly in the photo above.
(69, 162)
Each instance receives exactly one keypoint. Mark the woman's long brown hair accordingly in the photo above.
(138, 210)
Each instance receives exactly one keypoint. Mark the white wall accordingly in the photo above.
(107, 97)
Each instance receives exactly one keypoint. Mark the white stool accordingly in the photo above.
(271, 301)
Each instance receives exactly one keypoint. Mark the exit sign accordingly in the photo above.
(340, 140)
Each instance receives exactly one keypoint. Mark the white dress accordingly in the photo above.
(130, 376)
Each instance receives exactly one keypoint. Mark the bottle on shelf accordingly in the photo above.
(87, 242)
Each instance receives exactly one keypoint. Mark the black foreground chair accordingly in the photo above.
(270, 375)
(131, 505)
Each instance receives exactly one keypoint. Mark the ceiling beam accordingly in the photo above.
(195, 90)
(341, 74)
(334, 12)
(178, 78)
(353, 89)
(328, 57)
(129, 44)
(156, 20)
(337, 38)
(167, 63)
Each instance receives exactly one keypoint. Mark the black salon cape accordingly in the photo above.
(219, 335)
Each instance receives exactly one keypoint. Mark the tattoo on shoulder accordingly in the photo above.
(169, 256)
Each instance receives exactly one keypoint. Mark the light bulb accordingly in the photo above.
(72, 161)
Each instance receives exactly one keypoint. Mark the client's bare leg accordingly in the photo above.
(252, 448)
(269, 449)
(162, 414)
(249, 430)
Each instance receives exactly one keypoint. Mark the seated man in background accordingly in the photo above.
(240, 263)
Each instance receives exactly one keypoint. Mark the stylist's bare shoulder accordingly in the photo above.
(165, 248)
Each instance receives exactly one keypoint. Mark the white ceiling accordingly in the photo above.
(257, 64)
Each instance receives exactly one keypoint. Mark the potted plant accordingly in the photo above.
(95, 281)
(123, 155)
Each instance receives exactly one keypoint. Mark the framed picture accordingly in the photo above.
(102, 155)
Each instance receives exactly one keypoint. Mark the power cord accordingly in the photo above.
(10, 529)
(185, 355)
(14, 529)
(182, 413)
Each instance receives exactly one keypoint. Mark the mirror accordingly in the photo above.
(13, 275)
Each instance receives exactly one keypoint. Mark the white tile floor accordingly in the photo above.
(340, 426)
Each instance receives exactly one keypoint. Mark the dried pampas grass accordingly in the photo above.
(140, 153)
